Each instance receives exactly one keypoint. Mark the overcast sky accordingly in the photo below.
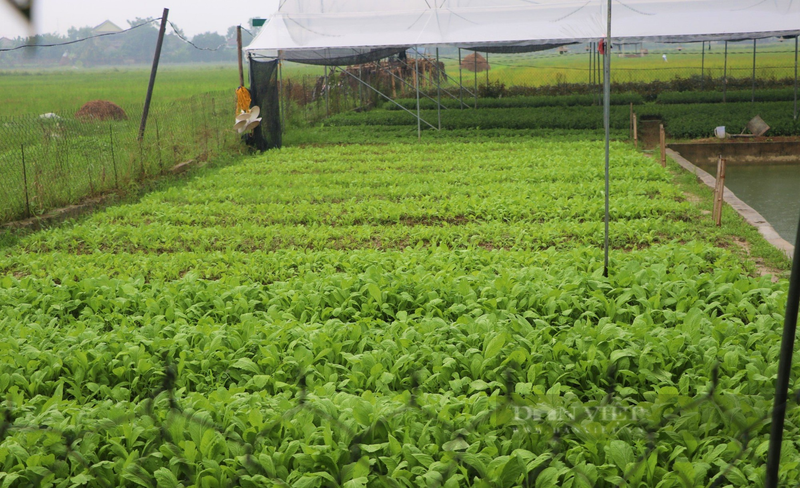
(193, 16)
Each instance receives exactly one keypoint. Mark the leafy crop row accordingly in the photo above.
(682, 121)
(740, 96)
(517, 102)
(192, 338)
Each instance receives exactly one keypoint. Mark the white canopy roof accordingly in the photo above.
(323, 28)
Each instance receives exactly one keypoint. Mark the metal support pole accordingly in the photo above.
(703, 68)
(438, 91)
(461, 83)
(753, 97)
(725, 76)
(416, 82)
(360, 89)
(239, 52)
(784, 371)
(281, 95)
(487, 71)
(327, 93)
(153, 72)
(475, 59)
(607, 124)
(387, 97)
(795, 85)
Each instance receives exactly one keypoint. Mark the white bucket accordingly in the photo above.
(720, 132)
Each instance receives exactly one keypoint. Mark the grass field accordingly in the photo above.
(393, 314)
(65, 91)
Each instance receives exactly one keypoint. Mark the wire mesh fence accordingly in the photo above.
(304, 437)
(53, 160)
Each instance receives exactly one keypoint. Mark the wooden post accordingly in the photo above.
(719, 191)
(663, 137)
(636, 131)
(153, 72)
(239, 52)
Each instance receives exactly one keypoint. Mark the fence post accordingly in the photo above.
(113, 157)
(25, 182)
(663, 139)
(719, 191)
(153, 71)
(635, 131)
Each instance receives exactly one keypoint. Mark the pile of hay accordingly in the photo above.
(475, 62)
(101, 110)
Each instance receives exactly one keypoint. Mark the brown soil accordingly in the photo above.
(101, 110)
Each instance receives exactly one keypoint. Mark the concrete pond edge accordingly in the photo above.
(746, 211)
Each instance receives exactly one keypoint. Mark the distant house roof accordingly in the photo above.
(106, 27)
(6, 42)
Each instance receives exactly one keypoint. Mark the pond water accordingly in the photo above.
(772, 190)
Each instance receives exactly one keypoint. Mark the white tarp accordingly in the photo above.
(316, 25)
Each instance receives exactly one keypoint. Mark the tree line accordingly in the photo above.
(135, 46)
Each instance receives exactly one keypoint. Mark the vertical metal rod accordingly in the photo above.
(753, 97)
(327, 93)
(239, 52)
(153, 72)
(795, 83)
(725, 76)
(25, 183)
(360, 89)
(487, 71)
(113, 156)
(281, 98)
(590, 63)
(703, 68)
(784, 370)
(438, 90)
(461, 83)
(607, 125)
(416, 85)
(475, 59)
(662, 140)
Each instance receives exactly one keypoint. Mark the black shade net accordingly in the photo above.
(265, 94)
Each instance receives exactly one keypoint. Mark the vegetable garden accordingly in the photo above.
(393, 314)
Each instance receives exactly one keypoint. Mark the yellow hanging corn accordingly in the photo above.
(242, 100)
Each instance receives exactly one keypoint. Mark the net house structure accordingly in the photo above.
(340, 33)
(346, 32)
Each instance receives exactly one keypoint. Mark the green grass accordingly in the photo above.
(777, 60)
(363, 314)
(64, 91)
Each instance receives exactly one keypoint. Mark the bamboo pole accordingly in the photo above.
(635, 131)
(663, 144)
